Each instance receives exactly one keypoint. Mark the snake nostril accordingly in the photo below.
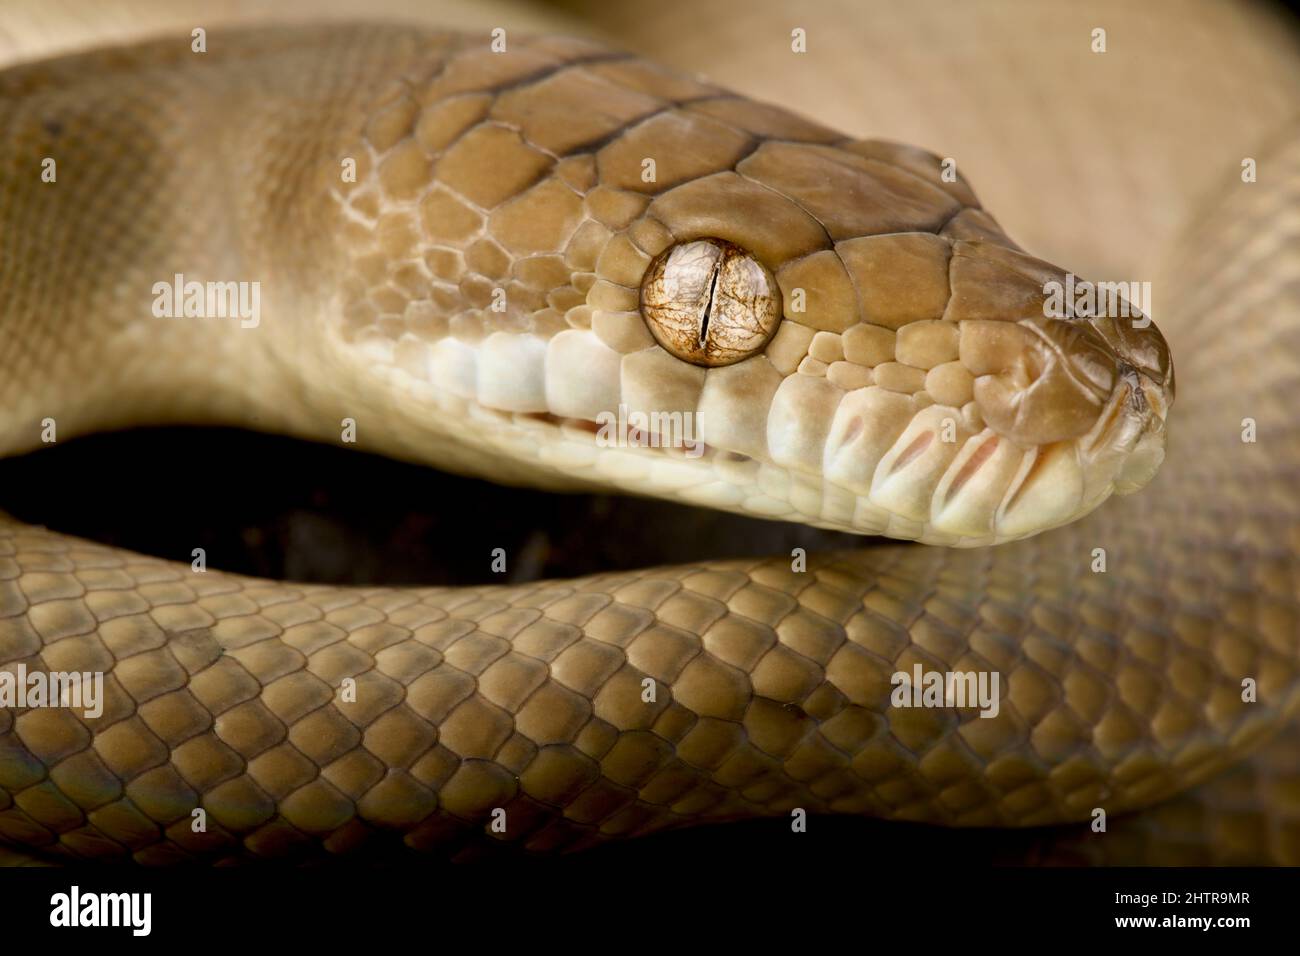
(1136, 395)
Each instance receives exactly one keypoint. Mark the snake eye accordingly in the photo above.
(709, 302)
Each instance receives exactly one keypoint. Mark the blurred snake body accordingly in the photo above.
(456, 250)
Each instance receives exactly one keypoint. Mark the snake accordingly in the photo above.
(471, 250)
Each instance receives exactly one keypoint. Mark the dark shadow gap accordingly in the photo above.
(280, 508)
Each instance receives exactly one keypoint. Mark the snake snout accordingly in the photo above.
(1067, 364)
(1129, 443)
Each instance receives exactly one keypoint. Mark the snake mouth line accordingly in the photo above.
(635, 437)
(1121, 454)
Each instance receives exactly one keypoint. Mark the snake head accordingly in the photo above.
(692, 295)
(925, 378)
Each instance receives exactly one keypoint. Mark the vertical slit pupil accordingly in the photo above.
(708, 304)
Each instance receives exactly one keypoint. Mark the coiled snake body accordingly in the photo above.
(451, 246)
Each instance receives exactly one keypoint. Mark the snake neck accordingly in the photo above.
(161, 235)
